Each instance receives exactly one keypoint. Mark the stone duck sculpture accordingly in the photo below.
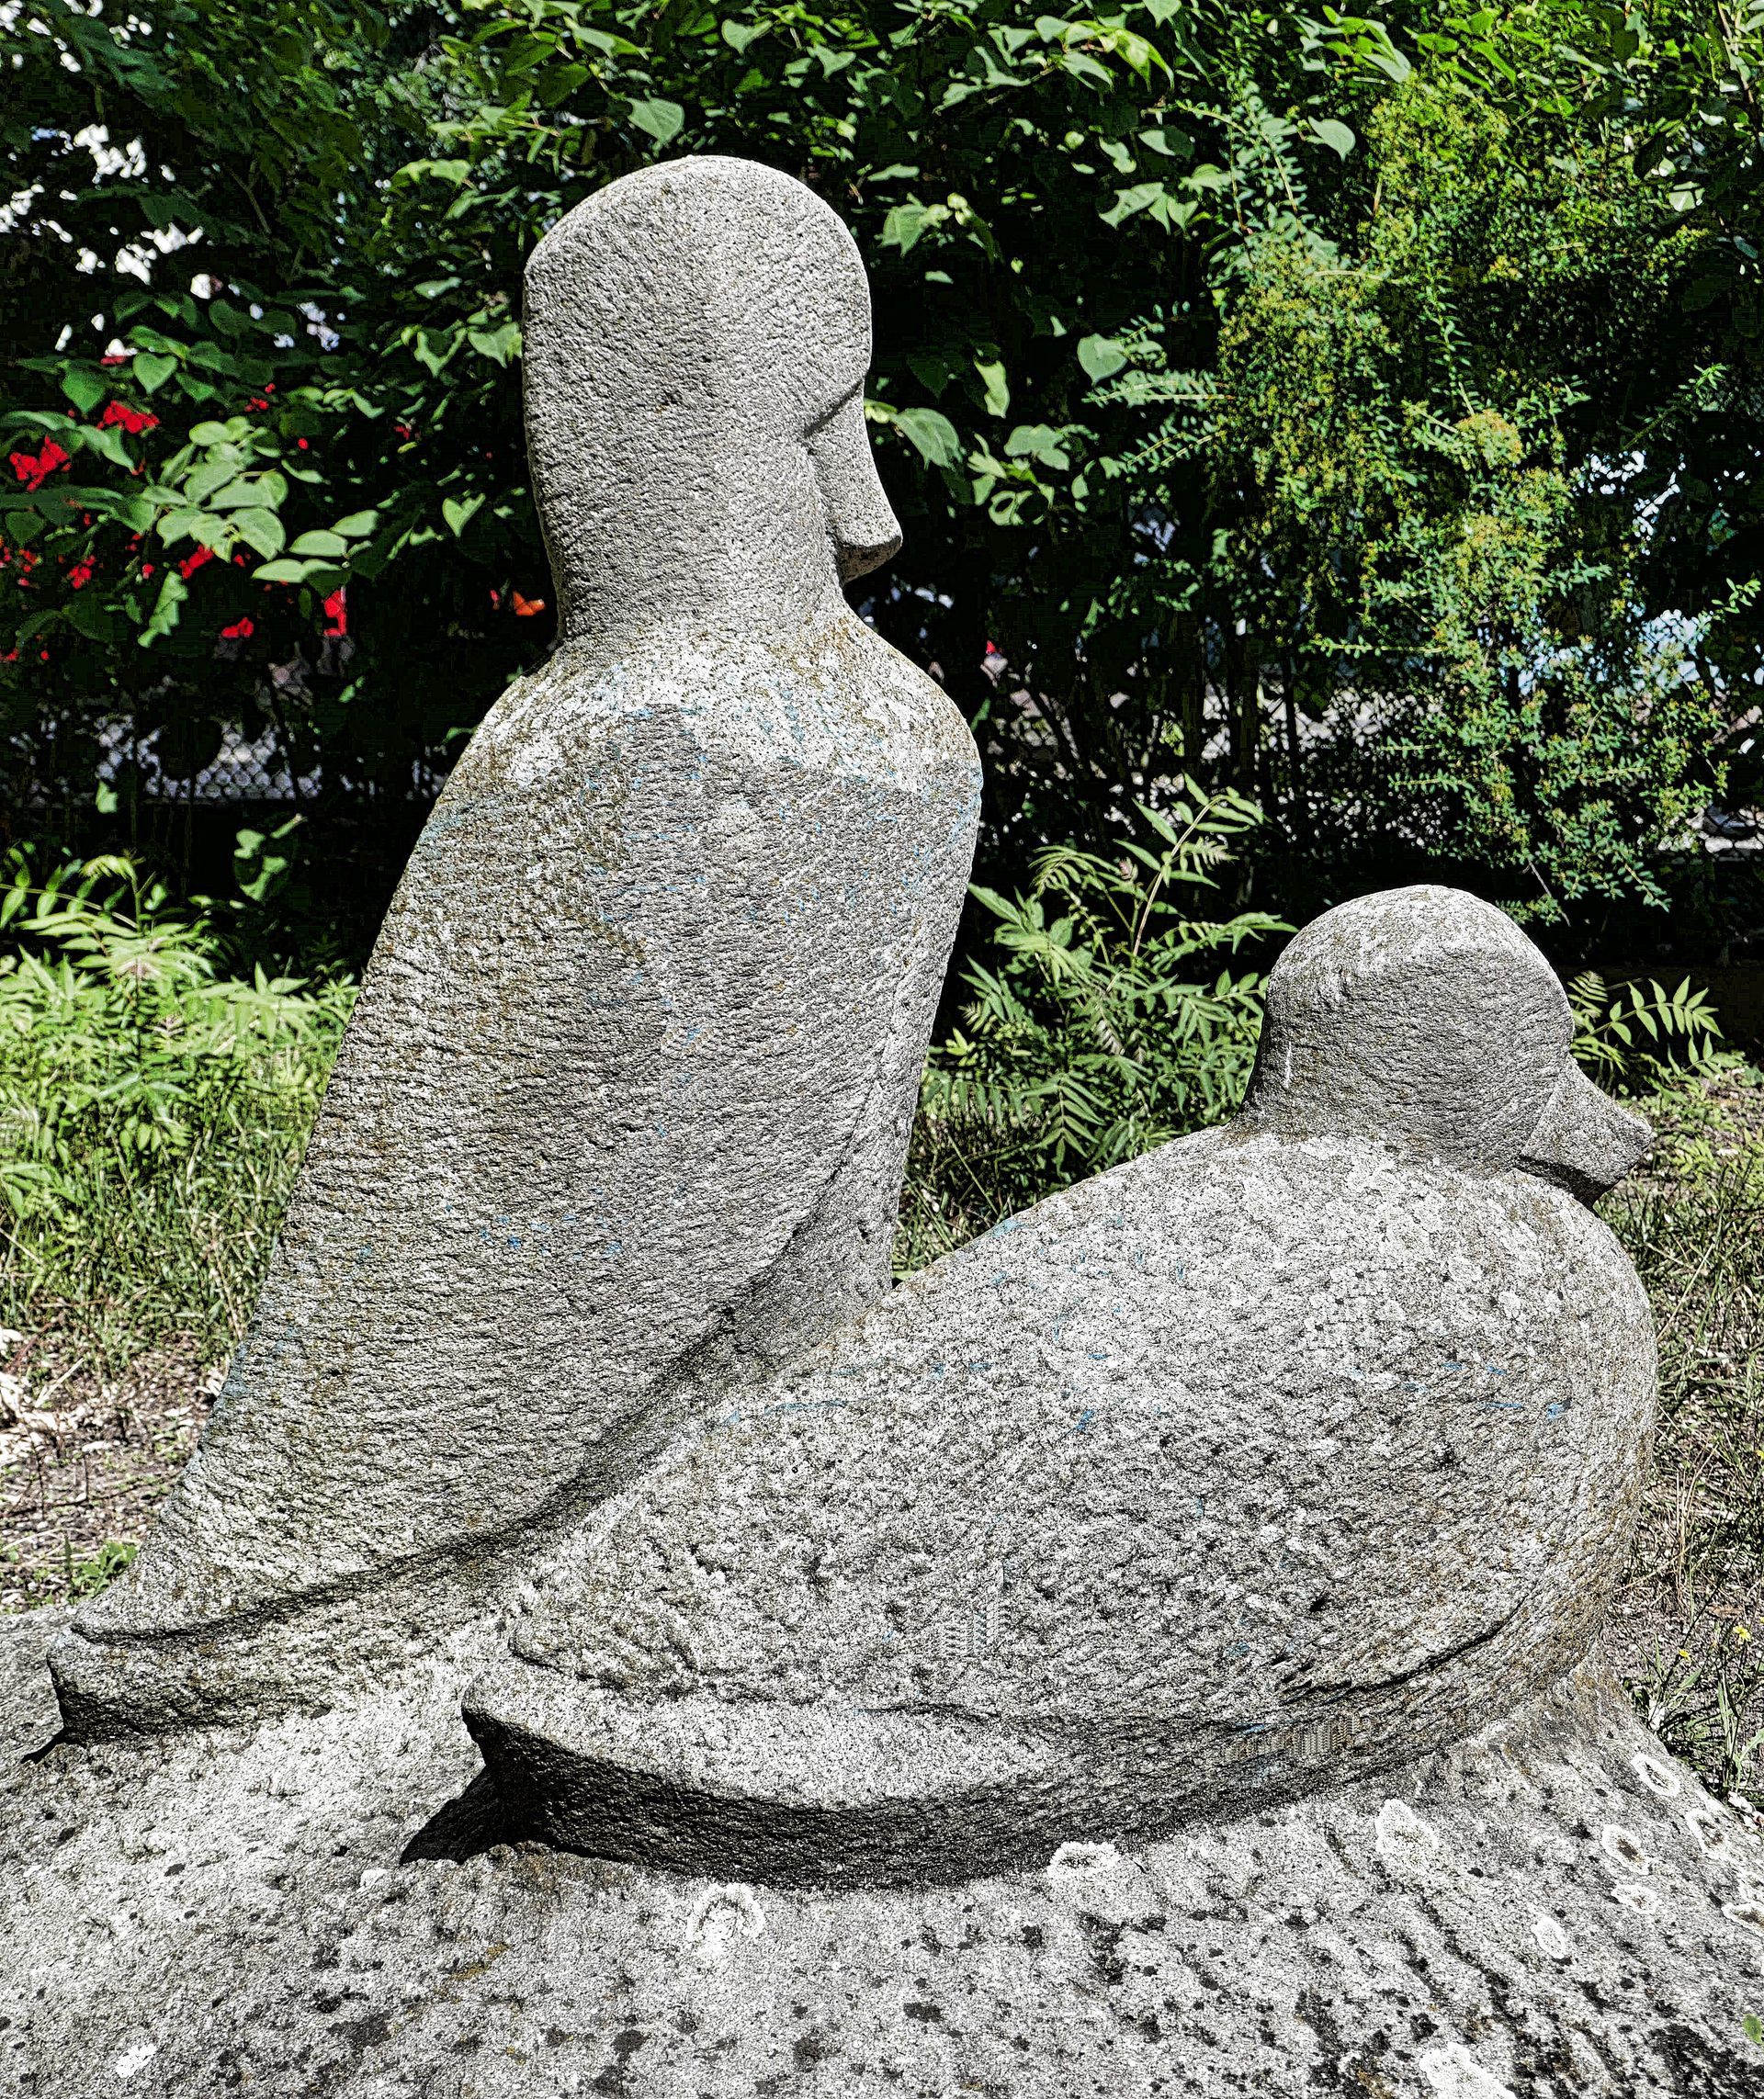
(1289, 1451)
(625, 1100)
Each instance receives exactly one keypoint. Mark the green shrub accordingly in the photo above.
(1104, 1027)
(154, 1109)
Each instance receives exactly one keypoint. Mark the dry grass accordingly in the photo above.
(1688, 1632)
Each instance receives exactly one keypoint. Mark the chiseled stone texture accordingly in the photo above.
(1285, 1453)
(1552, 1909)
(623, 1105)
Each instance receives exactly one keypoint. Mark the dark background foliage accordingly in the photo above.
(1358, 412)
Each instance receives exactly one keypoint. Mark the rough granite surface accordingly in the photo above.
(1552, 1909)
(627, 1093)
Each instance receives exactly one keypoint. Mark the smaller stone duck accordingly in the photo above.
(1289, 1451)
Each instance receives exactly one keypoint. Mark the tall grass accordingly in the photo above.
(154, 1109)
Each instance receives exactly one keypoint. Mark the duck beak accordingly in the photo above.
(1584, 1141)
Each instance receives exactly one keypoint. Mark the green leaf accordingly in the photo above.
(211, 477)
(1166, 139)
(182, 524)
(906, 222)
(152, 371)
(432, 347)
(458, 511)
(107, 443)
(254, 491)
(325, 546)
(1331, 133)
(358, 525)
(86, 389)
(172, 592)
(998, 387)
(261, 530)
(663, 120)
(1100, 357)
(932, 435)
(499, 345)
(284, 571)
(557, 83)
(1036, 441)
(1128, 202)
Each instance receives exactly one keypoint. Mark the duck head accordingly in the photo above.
(1424, 1018)
(697, 340)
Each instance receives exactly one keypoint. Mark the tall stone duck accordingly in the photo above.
(1293, 1451)
(623, 1105)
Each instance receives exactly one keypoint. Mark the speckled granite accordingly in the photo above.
(1551, 1909)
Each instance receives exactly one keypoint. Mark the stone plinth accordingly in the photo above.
(1550, 1909)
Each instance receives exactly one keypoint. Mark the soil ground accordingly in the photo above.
(85, 1459)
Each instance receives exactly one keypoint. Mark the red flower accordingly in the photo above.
(34, 468)
(240, 630)
(79, 575)
(187, 567)
(336, 613)
(133, 419)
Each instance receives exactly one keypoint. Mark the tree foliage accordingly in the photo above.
(1353, 411)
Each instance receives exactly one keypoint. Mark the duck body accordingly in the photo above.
(1257, 1456)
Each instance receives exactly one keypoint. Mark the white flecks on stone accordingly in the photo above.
(1656, 1777)
(376, 1877)
(1072, 1859)
(1550, 1936)
(1645, 1902)
(1403, 1835)
(134, 2059)
(1624, 1846)
(1749, 1913)
(1452, 2073)
(721, 1915)
(1715, 1838)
